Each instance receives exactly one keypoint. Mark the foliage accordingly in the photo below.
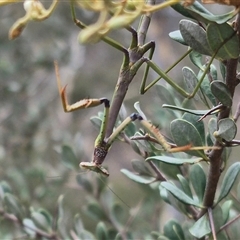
(189, 170)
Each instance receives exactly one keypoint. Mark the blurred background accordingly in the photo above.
(33, 125)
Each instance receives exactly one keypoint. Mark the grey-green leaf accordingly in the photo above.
(137, 178)
(13, 205)
(185, 133)
(227, 129)
(198, 12)
(173, 230)
(205, 86)
(185, 185)
(199, 125)
(84, 182)
(101, 231)
(194, 11)
(140, 167)
(195, 36)
(226, 207)
(191, 81)
(201, 227)
(119, 214)
(198, 181)
(212, 127)
(217, 34)
(68, 157)
(179, 194)
(221, 92)
(40, 221)
(29, 227)
(95, 211)
(177, 36)
(228, 181)
(196, 59)
(174, 160)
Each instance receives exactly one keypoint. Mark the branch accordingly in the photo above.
(215, 155)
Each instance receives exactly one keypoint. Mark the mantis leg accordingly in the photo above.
(84, 103)
(143, 87)
(101, 146)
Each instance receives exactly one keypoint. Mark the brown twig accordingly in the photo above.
(215, 155)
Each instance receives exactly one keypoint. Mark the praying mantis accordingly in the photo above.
(133, 59)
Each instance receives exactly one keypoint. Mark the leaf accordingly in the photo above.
(174, 160)
(221, 92)
(137, 178)
(198, 181)
(214, 72)
(4, 188)
(61, 226)
(217, 34)
(199, 125)
(205, 86)
(185, 185)
(228, 180)
(166, 94)
(191, 12)
(95, 211)
(96, 121)
(119, 214)
(47, 216)
(201, 227)
(41, 221)
(184, 133)
(84, 182)
(222, 67)
(226, 207)
(139, 110)
(196, 59)
(130, 130)
(164, 194)
(198, 12)
(13, 205)
(191, 81)
(140, 167)
(195, 36)
(180, 195)
(177, 36)
(216, 18)
(212, 127)
(78, 224)
(227, 129)
(29, 227)
(173, 230)
(68, 158)
(101, 231)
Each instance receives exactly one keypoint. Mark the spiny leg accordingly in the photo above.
(84, 103)
(163, 142)
(101, 148)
